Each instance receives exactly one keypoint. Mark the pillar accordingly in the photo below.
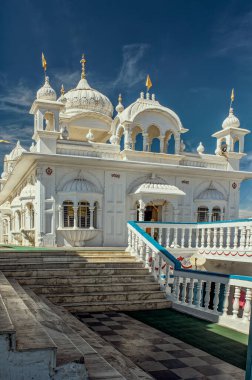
(91, 209)
(145, 141)
(75, 217)
(177, 144)
(127, 139)
(162, 138)
(141, 210)
(60, 216)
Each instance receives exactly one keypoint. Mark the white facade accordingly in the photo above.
(87, 173)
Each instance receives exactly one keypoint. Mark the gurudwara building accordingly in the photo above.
(90, 170)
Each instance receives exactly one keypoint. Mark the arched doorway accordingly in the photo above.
(153, 213)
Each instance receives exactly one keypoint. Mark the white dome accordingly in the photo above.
(142, 104)
(211, 194)
(46, 92)
(83, 97)
(231, 121)
(16, 152)
(80, 185)
(28, 191)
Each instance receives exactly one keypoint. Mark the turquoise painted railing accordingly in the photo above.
(217, 297)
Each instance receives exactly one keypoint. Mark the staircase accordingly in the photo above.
(87, 280)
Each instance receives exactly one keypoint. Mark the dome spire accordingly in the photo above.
(232, 96)
(83, 62)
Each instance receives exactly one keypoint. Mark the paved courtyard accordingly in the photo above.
(160, 355)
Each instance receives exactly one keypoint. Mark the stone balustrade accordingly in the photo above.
(235, 235)
(217, 297)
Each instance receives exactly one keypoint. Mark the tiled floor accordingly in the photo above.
(162, 356)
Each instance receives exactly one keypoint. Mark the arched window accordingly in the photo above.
(30, 215)
(236, 147)
(202, 214)
(68, 213)
(5, 227)
(216, 214)
(155, 145)
(83, 215)
(139, 142)
(17, 221)
(122, 143)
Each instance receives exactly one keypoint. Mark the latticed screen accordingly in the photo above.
(202, 214)
(216, 214)
(83, 215)
(68, 214)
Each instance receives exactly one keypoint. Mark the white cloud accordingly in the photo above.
(15, 98)
(130, 74)
(233, 34)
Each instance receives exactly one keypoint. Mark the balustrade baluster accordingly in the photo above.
(168, 237)
(183, 292)
(175, 237)
(177, 288)
(236, 302)
(226, 300)
(243, 237)
(152, 232)
(250, 238)
(141, 249)
(160, 236)
(199, 294)
(159, 260)
(207, 295)
(190, 292)
(197, 238)
(221, 237)
(133, 243)
(236, 233)
(247, 237)
(208, 231)
(147, 257)
(216, 299)
(215, 238)
(129, 240)
(228, 241)
(153, 262)
(167, 278)
(190, 237)
(202, 238)
(247, 306)
(183, 230)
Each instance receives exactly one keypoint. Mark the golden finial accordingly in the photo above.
(120, 98)
(62, 90)
(83, 61)
(232, 97)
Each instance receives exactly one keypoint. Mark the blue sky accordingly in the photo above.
(194, 51)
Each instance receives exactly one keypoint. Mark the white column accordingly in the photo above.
(75, 216)
(145, 141)
(247, 307)
(236, 302)
(141, 210)
(127, 139)
(91, 209)
(60, 216)
(177, 144)
(161, 138)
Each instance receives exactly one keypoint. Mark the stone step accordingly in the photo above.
(70, 265)
(70, 344)
(123, 364)
(29, 333)
(58, 253)
(58, 280)
(77, 288)
(86, 259)
(106, 297)
(49, 272)
(6, 325)
(88, 307)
